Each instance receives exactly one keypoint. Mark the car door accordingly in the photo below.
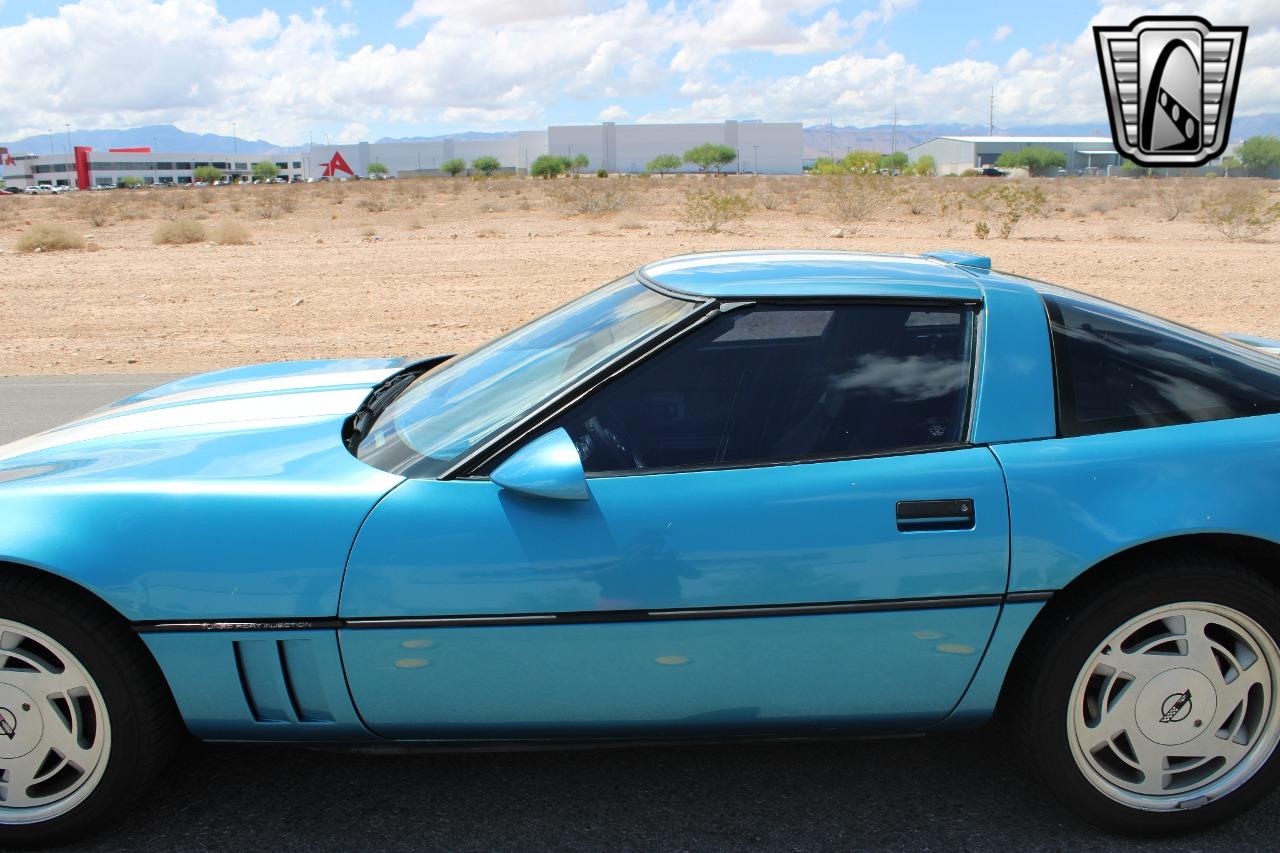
(784, 532)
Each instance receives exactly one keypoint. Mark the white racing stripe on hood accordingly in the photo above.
(242, 411)
(272, 385)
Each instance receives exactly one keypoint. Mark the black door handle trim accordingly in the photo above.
(950, 514)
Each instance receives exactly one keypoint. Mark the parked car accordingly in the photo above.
(10, 190)
(993, 172)
(748, 494)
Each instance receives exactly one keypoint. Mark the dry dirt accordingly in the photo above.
(451, 263)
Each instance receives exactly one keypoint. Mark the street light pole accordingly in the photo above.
(50, 132)
(235, 143)
(755, 150)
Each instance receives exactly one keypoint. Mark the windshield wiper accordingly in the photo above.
(359, 424)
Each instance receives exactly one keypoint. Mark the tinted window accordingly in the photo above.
(772, 384)
(1117, 370)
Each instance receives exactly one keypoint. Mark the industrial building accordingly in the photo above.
(404, 159)
(769, 148)
(762, 147)
(86, 167)
(954, 154)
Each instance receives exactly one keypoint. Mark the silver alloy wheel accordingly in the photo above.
(1177, 707)
(55, 735)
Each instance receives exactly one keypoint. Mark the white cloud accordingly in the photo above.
(614, 112)
(494, 64)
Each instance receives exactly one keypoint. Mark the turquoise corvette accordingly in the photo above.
(737, 495)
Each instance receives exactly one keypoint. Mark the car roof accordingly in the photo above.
(818, 273)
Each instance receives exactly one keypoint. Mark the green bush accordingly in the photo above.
(265, 170)
(129, 182)
(663, 163)
(178, 232)
(1036, 159)
(207, 174)
(602, 173)
(710, 156)
(486, 165)
(547, 166)
(48, 238)
(376, 169)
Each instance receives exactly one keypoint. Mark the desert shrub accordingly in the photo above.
(951, 207)
(851, 199)
(130, 182)
(1239, 213)
(274, 203)
(45, 237)
(413, 190)
(981, 229)
(1009, 204)
(98, 211)
(376, 203)
(232, 234)
(174, 204)
(1172, 199)
(486, 165)
(207, 174)
(547, 166)
(178, 232)
(710, 210)
(970, 173)
(587, 196)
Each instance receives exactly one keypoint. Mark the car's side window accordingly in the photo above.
(1116, 371)
(776, 383)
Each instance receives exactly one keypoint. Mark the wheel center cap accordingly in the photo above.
(1176, 706)
(20, 724)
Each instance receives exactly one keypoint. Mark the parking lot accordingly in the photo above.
(940, 793)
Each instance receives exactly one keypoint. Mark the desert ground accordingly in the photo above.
(421, 266)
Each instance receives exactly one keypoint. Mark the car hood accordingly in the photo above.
(262, 396)
(1264, 344)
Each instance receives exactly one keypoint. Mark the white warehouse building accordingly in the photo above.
(769, 148)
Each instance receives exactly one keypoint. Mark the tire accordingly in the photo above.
(104, 730)
(1149, 703)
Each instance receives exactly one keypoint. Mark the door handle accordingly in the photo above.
(951, 514)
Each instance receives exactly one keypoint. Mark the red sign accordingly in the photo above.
(6, 159)
(337, 164)
(146, 149)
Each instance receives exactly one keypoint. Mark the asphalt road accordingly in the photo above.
(942, 793)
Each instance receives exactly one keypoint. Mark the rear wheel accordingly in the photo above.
(1155, 705)
(85, 720)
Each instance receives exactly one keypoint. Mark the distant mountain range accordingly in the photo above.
(159, 137)
(822, 140)
(819, 140)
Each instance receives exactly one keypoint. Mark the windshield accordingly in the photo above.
(450, 410)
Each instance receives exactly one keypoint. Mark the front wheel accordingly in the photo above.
(1155, 705)
(85, 720)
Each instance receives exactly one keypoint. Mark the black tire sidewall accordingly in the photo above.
(115, 789)
(1046, 729)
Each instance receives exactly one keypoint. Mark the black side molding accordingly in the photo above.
(950, 514)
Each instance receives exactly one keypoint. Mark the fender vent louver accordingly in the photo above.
(281, 681)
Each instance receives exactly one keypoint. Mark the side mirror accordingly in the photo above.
(547, 467)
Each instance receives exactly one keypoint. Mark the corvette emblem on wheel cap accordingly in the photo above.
(1176, 707)
(8, 723)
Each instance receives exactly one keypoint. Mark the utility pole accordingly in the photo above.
(756, 151)
(831, 138)
(893, 139)
(68, 127)
(50, 132)
(235, 144)
(991, 117)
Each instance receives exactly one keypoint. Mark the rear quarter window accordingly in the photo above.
(1117, 370)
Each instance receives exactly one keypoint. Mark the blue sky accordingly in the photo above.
(283, 70)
